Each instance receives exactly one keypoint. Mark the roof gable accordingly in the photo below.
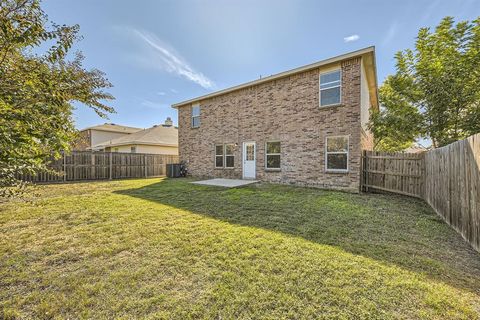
(111, 127)
(367, 52)
(157, 135)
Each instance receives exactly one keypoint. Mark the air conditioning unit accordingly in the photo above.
(174, 170)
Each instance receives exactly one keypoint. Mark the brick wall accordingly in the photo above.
(285, 110)
(82, 142)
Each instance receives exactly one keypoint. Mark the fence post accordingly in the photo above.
(93, 169)
(145, 164)
(365, 164)
(74, 169)
(110, 166)
(64, 167)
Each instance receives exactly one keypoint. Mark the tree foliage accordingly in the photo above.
(435, 92)
(38, 88)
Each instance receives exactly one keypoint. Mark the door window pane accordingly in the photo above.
(250, 152)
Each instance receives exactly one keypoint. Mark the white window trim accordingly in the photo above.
(198, 116)
(337, 152)
(320, 88)
(273, 154)
(215, 156)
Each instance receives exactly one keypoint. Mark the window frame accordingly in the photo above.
(337, 152)
(133, 149)
(195, 116)
(273, 154)
(218, 155)
(229, 155)
(320, 88)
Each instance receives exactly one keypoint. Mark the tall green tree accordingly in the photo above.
(435, 92)
(38, 88)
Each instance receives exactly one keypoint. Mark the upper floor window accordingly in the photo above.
(133, 149)
(272, 155)
(336, 157)
(196, 116)
(330, 88)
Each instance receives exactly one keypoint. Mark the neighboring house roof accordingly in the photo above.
(161, 135)
(416, 148)
(368, 53)
(112, 127)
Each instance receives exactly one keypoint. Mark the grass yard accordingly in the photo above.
(169, 249)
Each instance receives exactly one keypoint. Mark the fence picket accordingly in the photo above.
(447, 178)
(88, 165)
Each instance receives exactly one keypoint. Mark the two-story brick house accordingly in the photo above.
(305, 126)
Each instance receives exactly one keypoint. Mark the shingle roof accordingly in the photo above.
(157, 135)
(111, 127)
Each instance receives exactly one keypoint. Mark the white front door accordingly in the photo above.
(249, 156)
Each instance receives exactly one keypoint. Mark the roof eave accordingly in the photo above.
(136, 143)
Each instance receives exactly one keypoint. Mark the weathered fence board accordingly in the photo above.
(452, 180)
(88, 165)
(447, 178)
(393, 171)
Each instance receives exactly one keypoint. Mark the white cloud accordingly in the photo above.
(391, 33)
(353, 37)
(161, 93)
(167, 59)
(152, 104)
(174, 91)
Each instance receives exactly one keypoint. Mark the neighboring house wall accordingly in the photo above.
(83, 141)
(99, 136)
(286, 110)
(145, 149)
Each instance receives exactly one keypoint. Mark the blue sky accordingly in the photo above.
(157, 52)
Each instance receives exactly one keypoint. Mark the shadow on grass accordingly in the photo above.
(393, 229)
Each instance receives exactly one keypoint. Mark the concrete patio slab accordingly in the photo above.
(227, 183)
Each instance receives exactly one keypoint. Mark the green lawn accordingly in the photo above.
(169, 249)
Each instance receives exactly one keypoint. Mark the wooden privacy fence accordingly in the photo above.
(90, 165)
(447, 178)
(452, 180)
(394, 171)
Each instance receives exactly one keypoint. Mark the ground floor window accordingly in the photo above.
(336, 155)
(272, 155)
(219, 156)
(224, 155)
(229, 156)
